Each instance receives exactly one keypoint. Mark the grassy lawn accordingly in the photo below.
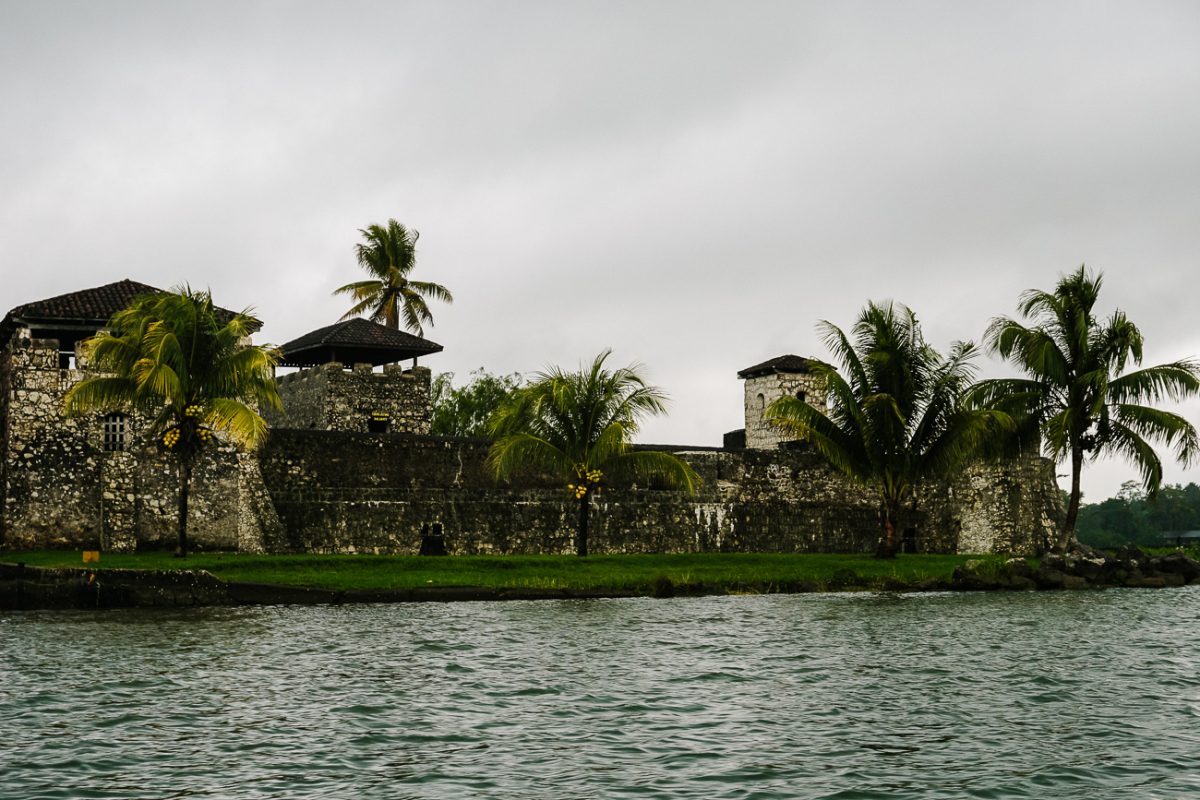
(636, 574)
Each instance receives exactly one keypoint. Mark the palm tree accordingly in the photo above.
(578, 425)
(389, 254)
(1075, 393)
(189, 367)
(896, 418)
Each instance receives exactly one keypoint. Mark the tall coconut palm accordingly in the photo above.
(578, 425)
(389, 254)
(1075, 392)
(896, 417)
(187, 366)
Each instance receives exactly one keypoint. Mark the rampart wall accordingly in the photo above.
(376, 493)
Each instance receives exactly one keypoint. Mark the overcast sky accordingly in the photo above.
(692, 184)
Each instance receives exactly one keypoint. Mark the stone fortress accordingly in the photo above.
(350, 467)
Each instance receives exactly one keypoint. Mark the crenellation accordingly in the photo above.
(332, 398)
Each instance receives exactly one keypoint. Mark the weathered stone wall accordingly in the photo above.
(1014, 507)
(375, 493)
(349, 491)
(331, 398)
(62, 488)
(762, 390)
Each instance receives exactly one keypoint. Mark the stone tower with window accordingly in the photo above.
(97, 481)
(788, 375)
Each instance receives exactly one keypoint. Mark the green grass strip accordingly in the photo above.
(634, 574)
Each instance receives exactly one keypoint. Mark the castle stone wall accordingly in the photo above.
(375, 493)
(337, 488)
(332, 398)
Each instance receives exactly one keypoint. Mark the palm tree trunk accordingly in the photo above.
(185, 486)
(1067, 537)
(887, 542)
(581, 534)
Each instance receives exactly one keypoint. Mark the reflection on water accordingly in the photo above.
(1063, 695)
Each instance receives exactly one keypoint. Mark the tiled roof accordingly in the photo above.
(357, 337)
(788, 363)
(99, 303)
(88, 307)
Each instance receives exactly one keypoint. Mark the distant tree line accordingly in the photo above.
(1133, 516)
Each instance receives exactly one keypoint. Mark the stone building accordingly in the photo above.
(349, 467)
(784, 376)
(98, 481)
(350, 380)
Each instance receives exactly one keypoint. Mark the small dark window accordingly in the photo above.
(801, 396)
(908, 541)
(115, 427)
(377, 423)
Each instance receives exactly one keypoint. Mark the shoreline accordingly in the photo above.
(25, 587)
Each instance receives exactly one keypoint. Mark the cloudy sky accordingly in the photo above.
(694, 184)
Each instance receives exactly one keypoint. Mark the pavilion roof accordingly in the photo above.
(355, 341)
(787, 363)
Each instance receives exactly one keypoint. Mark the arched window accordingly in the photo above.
(762, 401)
(801, 396)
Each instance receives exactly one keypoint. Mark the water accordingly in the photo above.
(1049, 695)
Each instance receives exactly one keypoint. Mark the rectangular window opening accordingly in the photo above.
(115, 427)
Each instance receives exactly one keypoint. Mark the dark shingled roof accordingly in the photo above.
(355, 341)
(788, 363)
(85, 309)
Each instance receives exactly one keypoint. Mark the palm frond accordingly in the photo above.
(561, 421)
(654, 464)
(241, 422)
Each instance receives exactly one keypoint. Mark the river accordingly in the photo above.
(850, 696)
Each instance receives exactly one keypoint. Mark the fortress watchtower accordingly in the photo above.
(337, 388)
(788, 375)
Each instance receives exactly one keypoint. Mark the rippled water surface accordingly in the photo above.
(1049, 695)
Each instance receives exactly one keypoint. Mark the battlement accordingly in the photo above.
(333, 398)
